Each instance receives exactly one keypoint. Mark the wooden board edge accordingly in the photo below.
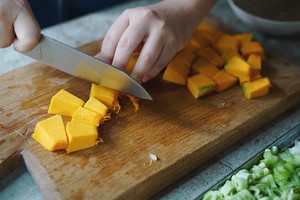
(40, 176)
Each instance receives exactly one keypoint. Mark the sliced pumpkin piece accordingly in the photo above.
(208, 32)
(176, 72)
(243, 37)
(224, 80)
(255, 61)
(64, 103)
(97, 106)
(200, 85)
(239, 68)
(225, 42)
(86, 116)
(202, 66)
(212, 56)
(252, 47)
(229, 53)
(81, 136)
(257, 88)
(132, 61)
(186, 55)
(51, 134)
(107, 96)
(198, 41)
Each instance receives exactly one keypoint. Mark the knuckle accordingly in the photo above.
(126, 43)
(148, 58)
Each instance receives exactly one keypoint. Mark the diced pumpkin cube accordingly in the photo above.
(200, 85)
(64, 103)
(132, 61)
(97, 106)
(239, 68)
(208, 32)
(257, 88)
(202, 66)
(229, 53)
(81, 136)
(225, 42)
(224, 80)
(205, 27)
(86, 116)
(107, 96)
(252, 48)
(212, 56)
(255, 61)
(176, 72)
(51, 134)
(198, 41)
(243, 37)
(186, 55)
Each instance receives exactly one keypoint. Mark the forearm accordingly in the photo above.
(197, 9)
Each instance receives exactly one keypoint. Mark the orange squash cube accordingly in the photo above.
(225, 42)
(255, 61)
(212, 56)
(256, 88)
(251, 47)
(186, 55)
(210, 33)
(239, 68)
(51, 134)
(200, 85)
(86, 116)
(243, 37)
(176, 72)
(224, 80)
(202, 66)
(132, 61)
(64, 103)
(198, 41)
(107, 96)
(229, 53)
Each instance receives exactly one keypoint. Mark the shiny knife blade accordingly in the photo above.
(84, 66)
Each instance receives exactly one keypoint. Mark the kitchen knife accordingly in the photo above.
(79, 64)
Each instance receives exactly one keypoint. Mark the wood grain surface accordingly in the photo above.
(181, 131)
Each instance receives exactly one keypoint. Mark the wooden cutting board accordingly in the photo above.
(181, 131)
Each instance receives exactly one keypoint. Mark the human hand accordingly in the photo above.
(161, 30)
(18, 25)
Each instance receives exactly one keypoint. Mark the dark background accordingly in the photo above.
(50, 12)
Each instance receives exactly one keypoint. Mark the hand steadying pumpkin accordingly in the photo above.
(160, 30)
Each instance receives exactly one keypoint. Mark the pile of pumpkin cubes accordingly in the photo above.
(215, 61)
(83, 119)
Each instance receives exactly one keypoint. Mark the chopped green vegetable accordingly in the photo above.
(276, 176)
